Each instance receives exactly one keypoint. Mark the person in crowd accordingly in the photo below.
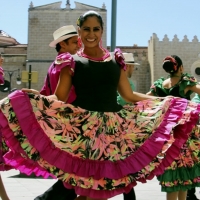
(3, 193)
(181, 175)
(94, 145)
(65, 42)
(191, 193)
(58, 190)
(130, 66)
(1, 70)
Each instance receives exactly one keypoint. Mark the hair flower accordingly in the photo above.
(78, 21)
(173, 61)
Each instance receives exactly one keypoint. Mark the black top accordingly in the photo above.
(177, 90)
(96, 84)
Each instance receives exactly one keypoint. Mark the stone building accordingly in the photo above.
(141, 74)
(187, 50)
(44, 20)
(14, 55)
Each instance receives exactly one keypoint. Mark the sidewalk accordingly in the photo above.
(26, 188)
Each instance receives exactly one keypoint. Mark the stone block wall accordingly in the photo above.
(14, 63)
(187, 50)
(42, 22)
(141, 73)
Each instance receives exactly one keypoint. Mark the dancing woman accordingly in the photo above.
(3, 193)
(182, 174)
(94, 145)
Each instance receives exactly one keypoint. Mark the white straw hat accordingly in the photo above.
(129, 59)
(63, 33)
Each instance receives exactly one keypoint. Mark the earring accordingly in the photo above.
(79, 42)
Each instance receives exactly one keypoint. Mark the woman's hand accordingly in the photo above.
(50, 97)
(30, 91)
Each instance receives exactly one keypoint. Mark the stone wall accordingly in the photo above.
(141, 73)
(43, 21)
(14, 63)
(187, 50)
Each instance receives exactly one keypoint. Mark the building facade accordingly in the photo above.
(187, 50)
(14, 55)
(44, 20)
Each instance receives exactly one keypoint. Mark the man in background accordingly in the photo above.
(130, 64)
(65, 42)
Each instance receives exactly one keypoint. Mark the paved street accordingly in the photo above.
(26, 188)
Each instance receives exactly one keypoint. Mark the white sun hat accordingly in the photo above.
(63, 33)
(129, 59)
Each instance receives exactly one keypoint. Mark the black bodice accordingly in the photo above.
(177, 90)
(96, 84)
(174, 91)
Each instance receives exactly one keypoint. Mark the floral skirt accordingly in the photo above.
(99, 154)
(183, 173)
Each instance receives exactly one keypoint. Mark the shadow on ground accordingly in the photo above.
(21, 175)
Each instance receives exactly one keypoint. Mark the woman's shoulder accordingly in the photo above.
(189, 78)
(65, 60)
(159, 82)
(157, 86)
(118, 55)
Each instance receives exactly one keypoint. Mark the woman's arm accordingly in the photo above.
(194, 88)
(150, 93)
(126, 92)
(64, 84)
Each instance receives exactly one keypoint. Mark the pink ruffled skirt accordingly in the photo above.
(99, 154)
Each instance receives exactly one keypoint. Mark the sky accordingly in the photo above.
(137, 20)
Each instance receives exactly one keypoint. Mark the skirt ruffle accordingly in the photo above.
(182, 178)
(99, 154)
(184, 173)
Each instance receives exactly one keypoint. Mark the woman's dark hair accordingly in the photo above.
(171, 64)
(58, 47)
(90, 13)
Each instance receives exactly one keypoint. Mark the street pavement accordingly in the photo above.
(21, 187)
